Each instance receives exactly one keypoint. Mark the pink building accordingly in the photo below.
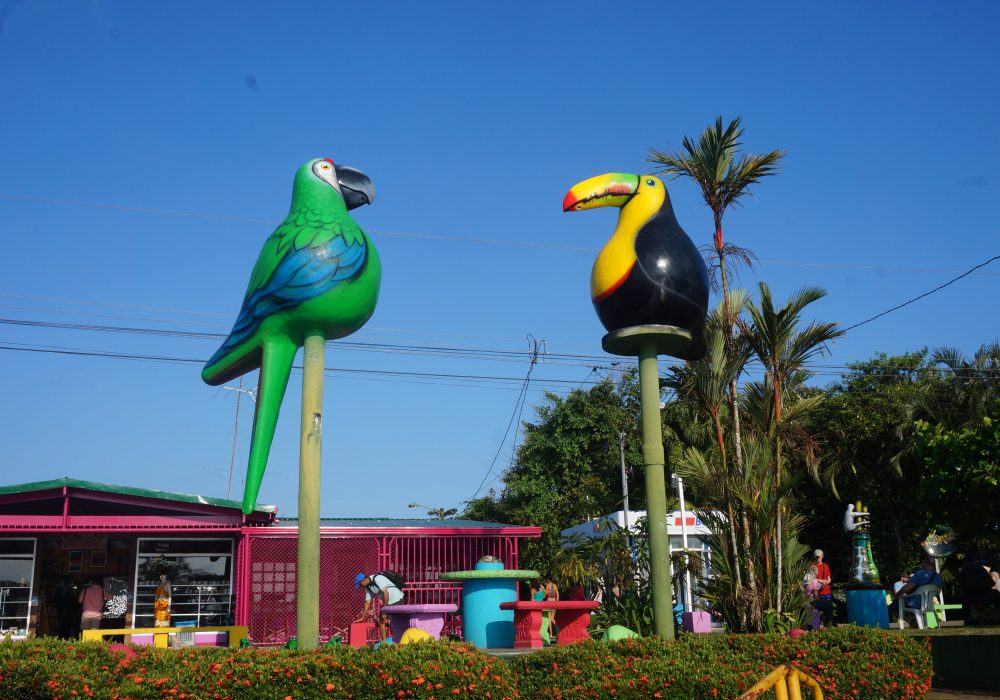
(223, 565)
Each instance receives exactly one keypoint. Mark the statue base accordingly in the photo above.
(866, 607)
(668, 340)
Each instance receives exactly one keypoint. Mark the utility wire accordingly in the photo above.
(925, 294)
(18, 347)
(430, 236)
(594, 362)
(518, 406)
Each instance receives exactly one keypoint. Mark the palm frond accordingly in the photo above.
(712, 163)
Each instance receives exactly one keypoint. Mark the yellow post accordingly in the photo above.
(794, 689)
(781, 690)
(786, 681)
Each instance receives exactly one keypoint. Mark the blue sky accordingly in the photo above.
(472, 119)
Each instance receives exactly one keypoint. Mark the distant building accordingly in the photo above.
(697, 531)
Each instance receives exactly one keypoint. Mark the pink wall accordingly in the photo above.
(266, 575)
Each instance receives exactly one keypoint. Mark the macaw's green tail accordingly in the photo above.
(276, 365)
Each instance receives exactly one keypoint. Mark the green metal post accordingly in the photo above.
(307, 607)
(656, 494)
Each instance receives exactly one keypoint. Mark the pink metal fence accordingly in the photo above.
(266, 586)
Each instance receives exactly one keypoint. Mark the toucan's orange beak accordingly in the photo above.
(609, 190)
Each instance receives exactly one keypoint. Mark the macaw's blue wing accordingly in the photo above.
(302, 274)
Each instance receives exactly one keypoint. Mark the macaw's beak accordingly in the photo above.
(610, 190)
(355, 186)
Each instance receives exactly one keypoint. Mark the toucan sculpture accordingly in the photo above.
(649, 272)
(318, 272)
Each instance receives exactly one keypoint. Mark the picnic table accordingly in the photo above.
(572, 616)
(425, 616)
(485, 625)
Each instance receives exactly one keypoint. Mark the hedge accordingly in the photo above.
(50, 668)
(848, 662)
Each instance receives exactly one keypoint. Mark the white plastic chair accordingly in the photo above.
(926, 595)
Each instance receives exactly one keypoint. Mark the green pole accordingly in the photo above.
(656, 494)
(307, 608)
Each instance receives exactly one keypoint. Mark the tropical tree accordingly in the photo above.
(784, 347)
(971, 386)
(865, 425)
(724, 177)
(440, 513)
(961, 475)
(747, 608)
(703, 384)
(568, 468)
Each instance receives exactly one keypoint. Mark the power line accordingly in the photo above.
(518, 407)
(434, 236)
(20, 347)
(397, 348)
(925, 294)
(594, 362)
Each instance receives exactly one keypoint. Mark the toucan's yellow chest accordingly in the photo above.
(617, 258)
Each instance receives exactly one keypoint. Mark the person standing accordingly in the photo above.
(551, 594)
(92, 599)
(824, 596)
(381, 587)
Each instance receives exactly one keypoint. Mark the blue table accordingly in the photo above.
(866, 607)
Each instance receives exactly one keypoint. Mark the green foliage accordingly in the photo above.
(49, 668)
(779, 623)
(906, 434)
(713, 164)
(963, 461)
(864, 426)
(632, 609)
(848, 662)
(568, 469)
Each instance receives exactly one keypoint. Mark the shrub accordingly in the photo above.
(49, 668)
(848, 662)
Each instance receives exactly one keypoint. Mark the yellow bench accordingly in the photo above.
(236, 633)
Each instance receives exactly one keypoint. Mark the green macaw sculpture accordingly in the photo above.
(317, 273)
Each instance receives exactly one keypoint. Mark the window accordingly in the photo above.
(17, 565)
(201, 578)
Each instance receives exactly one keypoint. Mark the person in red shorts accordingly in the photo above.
(824, 597)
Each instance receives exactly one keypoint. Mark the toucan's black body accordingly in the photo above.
(668, 285)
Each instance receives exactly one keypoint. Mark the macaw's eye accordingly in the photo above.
(325, 166)
(651, 182)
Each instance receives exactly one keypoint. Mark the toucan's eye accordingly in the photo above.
(651, 182)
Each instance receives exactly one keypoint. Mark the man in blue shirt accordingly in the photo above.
(926, 574)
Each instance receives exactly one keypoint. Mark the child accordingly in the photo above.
(811, 584)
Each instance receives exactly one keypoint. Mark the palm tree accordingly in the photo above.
(971, 386)
(724, 178)
(702, 385)
(758, 496)
(784, 349)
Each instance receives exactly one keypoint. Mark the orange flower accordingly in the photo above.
(328, 687)
(417, 681)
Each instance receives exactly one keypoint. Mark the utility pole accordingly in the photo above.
(236, 428)
(679, 482)
(621, 446)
